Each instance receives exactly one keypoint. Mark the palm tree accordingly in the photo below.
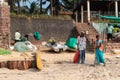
(40, 6)
(57, 7)
(70, 4)
(12, 5)
(54, 7)
(18, 3)
(42, 2)
(32, 7)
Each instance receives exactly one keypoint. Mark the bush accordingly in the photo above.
(4, 52)
(36, 16)
(115, 30)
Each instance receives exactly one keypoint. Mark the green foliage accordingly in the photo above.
(4, 52)
(100, 20)
(13, 14)
(70, 4)
(36, 16)
(115, 21)
(115, 30)
(25, 10)
(32, 7)
(36, 8)
(64, 17)
(36, 11)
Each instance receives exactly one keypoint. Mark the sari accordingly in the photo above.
(99, 54)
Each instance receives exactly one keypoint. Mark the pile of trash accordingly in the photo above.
(71, 44)
(24, 46)
(56, 46)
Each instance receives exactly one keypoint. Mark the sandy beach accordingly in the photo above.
(60, 66)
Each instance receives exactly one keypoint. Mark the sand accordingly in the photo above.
(60, 66)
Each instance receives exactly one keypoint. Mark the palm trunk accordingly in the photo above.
(40, 6)
(51, 7)
(11, 3)
(18, 2)
(55, 10)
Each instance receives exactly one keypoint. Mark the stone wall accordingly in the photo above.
(4, 24)
(111, 46)
(4, 18)
(59, 29)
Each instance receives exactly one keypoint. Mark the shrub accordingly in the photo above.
(36, 16)
(4, 52)
(115, 30)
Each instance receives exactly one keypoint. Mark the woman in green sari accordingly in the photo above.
(99, 55)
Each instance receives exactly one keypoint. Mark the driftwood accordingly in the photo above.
(18, 64)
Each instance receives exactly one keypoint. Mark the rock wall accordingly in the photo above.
(4, 24)
(59, 29)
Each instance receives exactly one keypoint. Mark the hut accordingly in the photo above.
(87, 10)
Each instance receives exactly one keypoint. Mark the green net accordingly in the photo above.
(71, 43)
(21, 47)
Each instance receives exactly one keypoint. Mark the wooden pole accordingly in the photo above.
(82, 18)
(88, 10)
(76, 16)
(116, 8)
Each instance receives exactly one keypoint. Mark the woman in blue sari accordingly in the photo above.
(99, 55)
